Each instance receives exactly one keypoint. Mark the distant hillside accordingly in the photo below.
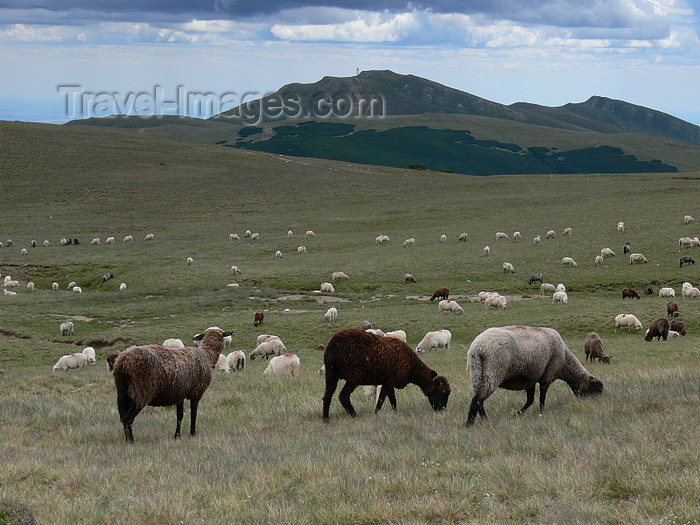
(383, 118)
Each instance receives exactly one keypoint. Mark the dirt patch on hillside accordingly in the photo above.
(320, 299)
(97, 344)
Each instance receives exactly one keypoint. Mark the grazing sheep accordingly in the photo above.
(157, 376)
(536, 277)
(673, 334)
(598, 260)
(443, 238)
(9, 292)
(128, 238)
(30, 286)
(435, 339)
(106, 277)
(54, 286)
(448, 305)
(483, 295)
(309, 234)
(190, 260)
(409, 278)
(268, 348)
(626, 248)
(149, 237)
(71, 285)
(235, 270)
(440, 293)
(637, 258)
(122, 287)
(686, 259)
(398, 334)
(23, 251)
(630, 292)
(487, 251)
(361, 358)
(550, 234)
(247, 234)
(495, 300)
(254, 236)
(672, 309)
(283, 365)
(71, 361)
(45, 243)
(520, 357)
(222, 364)
(278, 254)
(89, 353)
(621, 227)
(109, 240)
(341, 276)
(66, 328)
(173, 343)
(649, 291)
(517, 236)
(607, 252)
(259, 317)
(560, 297)
(375, 331)
(508, 267)
(667, 292)
(569, 261)
(678, 326)
(567, 231)
(290, 234)
(331, 314)
(547, 288)
(628, 320)
(381, 239)
(327, 287)
(684, 242)
(409, 242)
(234, 237)
(301, 249)
(688, 219)
(593, 347)
(658, 329)
(95, 241)
(502, 235)
(537, 240)
(266, 337)
(463, 237)
(236, 360)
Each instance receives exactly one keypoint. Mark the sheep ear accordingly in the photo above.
(433, 374)
(226, 334)
(198, 337)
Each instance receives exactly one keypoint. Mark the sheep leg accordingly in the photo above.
(384, 392)
(529, 400)
(194, 404)
(127, 413)
(180, 414)
(476, 406)
(344, 398)
(331, 385)
(543, 395)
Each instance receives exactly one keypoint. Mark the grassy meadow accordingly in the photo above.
(262, 454)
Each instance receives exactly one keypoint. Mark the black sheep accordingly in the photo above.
(363, 358)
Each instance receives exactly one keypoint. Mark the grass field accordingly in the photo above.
(262, 454)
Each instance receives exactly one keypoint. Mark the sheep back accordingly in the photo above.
(593, 348)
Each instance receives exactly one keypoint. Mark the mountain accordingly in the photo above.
(384, 118)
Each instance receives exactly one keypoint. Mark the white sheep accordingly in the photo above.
(95, 241)
(190, 260)
(487, 251)
(278, 254)
(66, 328)
(448, 305)
(673, 333)
(342, 276)
(222, 364)
(667, 292)
(409, 242)
(268, 348)
(436, 339)
(375, 331)
(561, 288)
(173, 343)
(508, 267)
(691, 293)
(496, 301)
(128, 238)
(550, 234)
(517, 236)
(628, 320)
(54, 286)
(149, 237)
(247, 234)
(607, 252)
(77, 289)
(109, 240)
(23, 251)
(621, 227)
(45, 243)
(235, 270)
(309, 234)
(560, 297)
(463, 237)
(537, 240)
(547, 288)
(89, 353)
(483, 295)
(9, 292)
(236, 360)
(327, 287)
(637, 258)
(567, 231)
(266, 337)
(234, 237)
(301, 249)
(30, 286)
(331, 314)
(397, 334)
(569, 261)
(122, 287)
(10, 283)
(443, 238)
(688, 219)
(290, 234)
(502, 235)
(254, 236)
(283, 365)
(598, 260)
(71, 361)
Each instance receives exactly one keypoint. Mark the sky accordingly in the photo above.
(61, 60)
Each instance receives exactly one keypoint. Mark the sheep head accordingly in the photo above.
(439, 392)
(588, 387)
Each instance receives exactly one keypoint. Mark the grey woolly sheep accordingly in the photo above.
(363, 358)
(593, 347)
(66, 328)
(519, 357)
(157, 376)
(536, 277)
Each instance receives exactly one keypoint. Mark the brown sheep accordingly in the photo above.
(678, 326)
(441, 293)
(593, 347)
(259, 316)
(111, 358)
(363, 358)
(158, 376)
(630, 292)
(658, 329)
(672, 309)
(649, 291)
